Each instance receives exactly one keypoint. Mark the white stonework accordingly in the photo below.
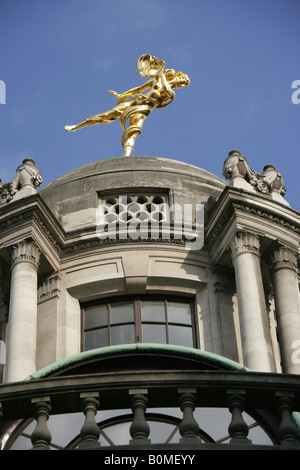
(226, 280)
(255, 333)
(287, 299)
(22, 327)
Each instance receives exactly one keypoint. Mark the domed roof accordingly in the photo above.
(80, 189)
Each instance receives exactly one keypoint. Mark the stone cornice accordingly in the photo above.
(239, 210)
(31, 218)
(49, 234)
(88, 244)
(234, 211)
(270, 216)
(12, 219)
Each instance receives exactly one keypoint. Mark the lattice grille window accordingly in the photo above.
(134, 207)
(151, 216)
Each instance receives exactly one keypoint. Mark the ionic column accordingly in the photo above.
(22, 324)
(255, 331)
(283, 264)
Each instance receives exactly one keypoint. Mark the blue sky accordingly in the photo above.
(58, 58)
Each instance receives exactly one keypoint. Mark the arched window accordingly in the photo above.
(137, 320)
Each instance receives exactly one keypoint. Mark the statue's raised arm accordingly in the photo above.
(136, 104)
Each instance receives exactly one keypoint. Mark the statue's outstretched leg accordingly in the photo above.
(104, 118)
(87, 122)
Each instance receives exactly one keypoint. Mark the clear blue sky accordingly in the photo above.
(58, 58)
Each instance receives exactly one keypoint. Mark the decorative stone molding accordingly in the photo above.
(282, 257)
(268, 216)
(234, 208)
(95, 243)
(49, 288)
(48, 233)
(32, 220)
(6, 192)
(26, 251)
(245, 242)
(16, 219)
(219, 227)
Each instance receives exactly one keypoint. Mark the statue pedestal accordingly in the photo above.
(275, 196)
(239, 182)
(25, 191)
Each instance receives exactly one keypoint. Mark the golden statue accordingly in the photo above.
(159, 94)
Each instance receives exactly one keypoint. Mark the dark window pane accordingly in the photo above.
(154, 334)
(124, 334)
(123, 328)
(96, 339)
(121, 312)
(179, 312)
(153, 310)
(180, 335)
(95, 316)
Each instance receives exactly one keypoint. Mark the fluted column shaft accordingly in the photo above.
(22, 324)
(255, 331)
(283, 263)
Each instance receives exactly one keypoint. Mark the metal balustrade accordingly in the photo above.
(276, 395)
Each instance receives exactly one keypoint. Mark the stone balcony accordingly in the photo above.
(122, 381)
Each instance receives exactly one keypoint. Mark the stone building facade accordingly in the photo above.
(148, 250)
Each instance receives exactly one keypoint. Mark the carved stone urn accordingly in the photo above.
(27, 178)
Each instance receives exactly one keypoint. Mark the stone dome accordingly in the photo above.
(74, 196)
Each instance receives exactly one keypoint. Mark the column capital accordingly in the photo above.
(245, 242)
(26, 251)
(282, 257)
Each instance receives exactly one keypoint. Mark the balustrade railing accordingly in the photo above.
(276, 394)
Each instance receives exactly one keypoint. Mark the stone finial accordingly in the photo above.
(272, 180)
(28, 175)
(238, 171)
(269, 182)
(27, 178)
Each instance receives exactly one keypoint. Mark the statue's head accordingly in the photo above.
(180, 80)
